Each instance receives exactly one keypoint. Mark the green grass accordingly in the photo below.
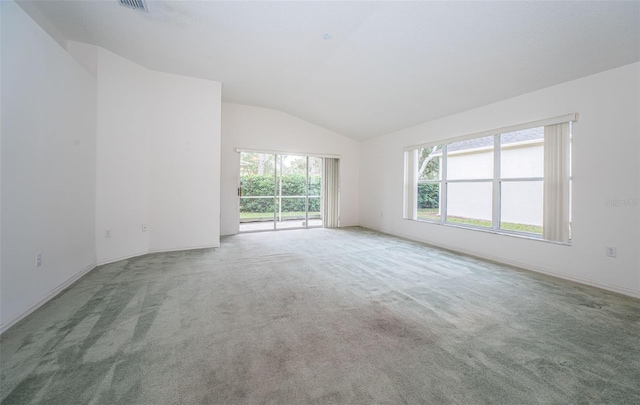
(432, 215)
(521, 227)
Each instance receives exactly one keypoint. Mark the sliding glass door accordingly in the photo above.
(279, 191)
(291, 182)
(257, 191)
(314, 203)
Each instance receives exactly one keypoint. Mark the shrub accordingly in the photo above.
(292, 185)
(428, 195)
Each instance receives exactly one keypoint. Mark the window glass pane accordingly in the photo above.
(315, 169)
(256, 209)
(256, 164)
(469, 203)
(292, 171)
(429, 201)
(470, 159)
(522, 153)
(315, 218)
(258, 185)
(315, 189)
(429, 160)
(521, 206)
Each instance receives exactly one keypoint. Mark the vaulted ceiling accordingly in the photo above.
(363, 68)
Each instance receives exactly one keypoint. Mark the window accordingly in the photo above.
(522, 180)
(512, 181)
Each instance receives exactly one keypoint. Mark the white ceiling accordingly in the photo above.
(389, 65)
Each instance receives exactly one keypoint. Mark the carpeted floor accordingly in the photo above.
(323, 316)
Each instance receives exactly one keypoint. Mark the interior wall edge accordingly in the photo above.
(514, 263)
(117, 259)
(29, 310)
(182, 249)
(150, 251)
(46, 24)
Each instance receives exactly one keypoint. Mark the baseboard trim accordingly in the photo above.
(184, 248)
(536, 269)
(117, 259)
(146, 252)
(525, 266)
(6, 325)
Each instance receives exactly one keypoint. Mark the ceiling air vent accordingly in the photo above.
(134, 4)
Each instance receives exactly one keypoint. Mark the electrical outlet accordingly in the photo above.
(107, 233)
(612, 251)
(144, 227)
(38, 259)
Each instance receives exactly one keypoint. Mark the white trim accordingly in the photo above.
(468, 181)
(496, 186)
(276, 152)
(270, 196)
(6, 325)
(184, 248)
(511, 145)
(541, 123)
(552, 273)
(444, 186)
(498, 231)
(23, 314)
(508, 179)
(521, 265)
(109, 261)
(300, 228)
(117, 259)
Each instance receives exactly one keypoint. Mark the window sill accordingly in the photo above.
(492, 231)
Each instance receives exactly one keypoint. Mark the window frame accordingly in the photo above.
(496, 181)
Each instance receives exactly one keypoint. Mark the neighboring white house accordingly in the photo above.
(521, 157)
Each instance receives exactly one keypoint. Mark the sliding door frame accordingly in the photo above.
(277, 189)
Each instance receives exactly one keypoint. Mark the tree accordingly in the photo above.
(297, 164)
(256, 163)
(429, 162)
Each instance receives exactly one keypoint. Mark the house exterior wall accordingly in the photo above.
(521, 201)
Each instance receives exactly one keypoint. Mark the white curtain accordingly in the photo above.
(411, 184)
(556, 183)
(331, 192)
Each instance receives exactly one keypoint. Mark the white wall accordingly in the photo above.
(94, 143)
(605, 168)
(85, 54)
(185, 162)
(48, 166)
(158, 160)
(123, 158)
(264, 129)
